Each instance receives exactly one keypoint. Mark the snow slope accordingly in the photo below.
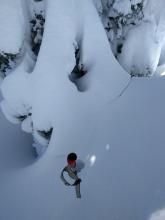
(126, 180)
(119, 137)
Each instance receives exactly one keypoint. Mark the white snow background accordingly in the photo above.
(116, 126)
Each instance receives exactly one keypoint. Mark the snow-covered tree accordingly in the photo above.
(66, 61)
(118, 17)
(128, 23)
(11, 35)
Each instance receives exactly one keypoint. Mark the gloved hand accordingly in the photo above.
(67, 184)
(76, 182)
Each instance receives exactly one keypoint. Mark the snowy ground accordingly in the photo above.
(124, 180)
(116, 126)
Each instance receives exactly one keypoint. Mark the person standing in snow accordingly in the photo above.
(73, 167)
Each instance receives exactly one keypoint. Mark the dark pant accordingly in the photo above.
(77, 188)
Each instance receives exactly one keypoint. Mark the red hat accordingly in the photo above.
(71, 162)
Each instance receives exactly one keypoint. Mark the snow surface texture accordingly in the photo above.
(11, 26)
(122, 6)
(119, 137)
(123, 148)
(159, 215)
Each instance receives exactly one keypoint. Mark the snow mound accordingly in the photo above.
(122, 7)
(141, 50)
